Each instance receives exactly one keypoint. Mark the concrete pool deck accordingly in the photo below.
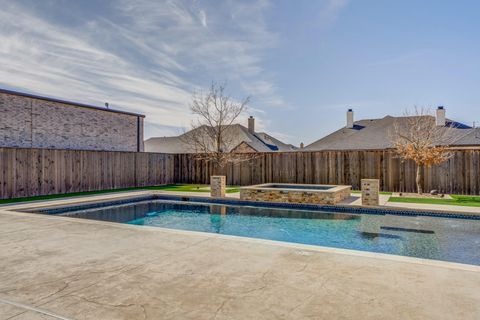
(67, 268)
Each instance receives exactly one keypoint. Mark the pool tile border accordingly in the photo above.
(329, 208)
(59, 208)
(229, 201)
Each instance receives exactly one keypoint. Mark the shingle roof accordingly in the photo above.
(377, 134)
(237, 133)
(470, 139)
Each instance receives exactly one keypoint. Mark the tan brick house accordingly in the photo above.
(31, 121)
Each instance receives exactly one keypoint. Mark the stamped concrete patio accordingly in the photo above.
(66, 268)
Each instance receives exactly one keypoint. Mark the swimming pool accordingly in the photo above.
(438, 238)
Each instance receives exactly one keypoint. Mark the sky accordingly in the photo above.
(304, 62)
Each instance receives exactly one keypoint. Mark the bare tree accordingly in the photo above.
(417, 137)
(212, 137)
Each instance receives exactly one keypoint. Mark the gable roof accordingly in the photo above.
(236, 133)
(377, 133)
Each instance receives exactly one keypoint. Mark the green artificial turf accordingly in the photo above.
(458, 200)
(170, 187)
(193, 188)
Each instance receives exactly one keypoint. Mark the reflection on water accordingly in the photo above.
(119, 213)
(132, 211)
(373, 235)
(407, 230)
(426, 237)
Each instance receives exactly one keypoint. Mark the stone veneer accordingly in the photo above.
(370, 192)
(262, 192)
(37, 122)
(217, 186)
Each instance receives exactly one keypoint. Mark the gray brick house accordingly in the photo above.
(31, 121)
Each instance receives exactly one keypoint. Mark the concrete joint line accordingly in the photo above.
(30, 308)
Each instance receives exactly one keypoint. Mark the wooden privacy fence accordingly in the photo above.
(32, 172)
(459, 175)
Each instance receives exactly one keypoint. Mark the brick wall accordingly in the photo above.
(37, 123)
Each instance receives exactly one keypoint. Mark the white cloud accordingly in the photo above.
(142, 56)
(203, 18)
(330, 12)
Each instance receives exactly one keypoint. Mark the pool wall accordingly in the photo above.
(273, 192)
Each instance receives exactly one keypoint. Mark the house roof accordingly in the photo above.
(377, 134)
(76, 104)
(237, 134)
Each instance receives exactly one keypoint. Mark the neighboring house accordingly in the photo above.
(377, 134)
(30, 121)
(241, 140)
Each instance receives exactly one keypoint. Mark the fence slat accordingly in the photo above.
(459, 175)
(31, 172)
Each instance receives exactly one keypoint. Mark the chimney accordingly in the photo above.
(350, 119)
(302, 145)
(440, 118)
(251, 125)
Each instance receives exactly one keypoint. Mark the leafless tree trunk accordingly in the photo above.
(419, 178)
(212, 137)
(417, 137)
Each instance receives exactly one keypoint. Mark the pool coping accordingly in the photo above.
(292, 245)
(264, 186)
(440, 210)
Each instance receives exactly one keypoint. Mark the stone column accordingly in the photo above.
(370, 192)
(217, 186)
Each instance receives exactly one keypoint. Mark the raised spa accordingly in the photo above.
(296, 193)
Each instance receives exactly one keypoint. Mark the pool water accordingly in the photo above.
(456, 240)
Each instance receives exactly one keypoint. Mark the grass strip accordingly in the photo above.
(458, 200)
(170, 187)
